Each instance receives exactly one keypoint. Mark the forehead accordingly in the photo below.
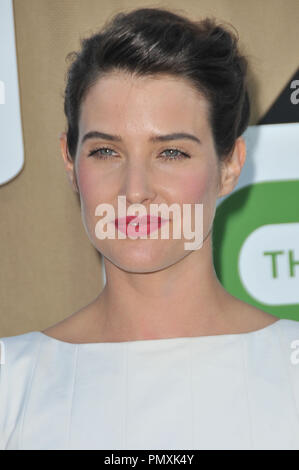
(127, 103)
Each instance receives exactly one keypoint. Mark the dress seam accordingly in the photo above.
(27, 394)
(246, 381)
(191, 392)
(125, 399)
(289, 375)
(75, 368)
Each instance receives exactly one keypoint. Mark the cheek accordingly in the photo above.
(195, 185)
(90, 197)
(89, 185)
(84, 178)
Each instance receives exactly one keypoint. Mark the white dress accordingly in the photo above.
(233, 391)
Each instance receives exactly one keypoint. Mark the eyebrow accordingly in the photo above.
(155, 138)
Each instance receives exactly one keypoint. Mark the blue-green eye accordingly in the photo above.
(97, 153)
(103, 156)
(182, 154)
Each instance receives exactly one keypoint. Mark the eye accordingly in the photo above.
(182, 156)
(98, 154)
(105, 155)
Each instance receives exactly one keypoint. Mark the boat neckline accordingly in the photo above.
(265, 329)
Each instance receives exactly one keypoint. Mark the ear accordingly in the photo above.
(68, 162)
(231, 167)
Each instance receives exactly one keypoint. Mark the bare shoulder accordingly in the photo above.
(85, 325)
(249, 318)
(72, 329)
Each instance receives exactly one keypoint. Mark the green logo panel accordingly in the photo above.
(240, 214)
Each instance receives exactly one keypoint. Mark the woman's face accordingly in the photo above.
(137, 109)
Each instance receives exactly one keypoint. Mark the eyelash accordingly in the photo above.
(105, 157)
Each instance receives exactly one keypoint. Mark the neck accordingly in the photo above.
(185, 299)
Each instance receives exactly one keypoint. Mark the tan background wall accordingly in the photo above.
(49, 269)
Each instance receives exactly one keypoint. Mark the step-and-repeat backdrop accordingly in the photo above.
(48, 268)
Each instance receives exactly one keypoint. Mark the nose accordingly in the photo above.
(138, 183)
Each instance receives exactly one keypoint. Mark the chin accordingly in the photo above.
(142, 259)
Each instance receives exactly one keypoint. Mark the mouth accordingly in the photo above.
(144, 225)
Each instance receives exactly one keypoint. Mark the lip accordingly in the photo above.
(147, 224)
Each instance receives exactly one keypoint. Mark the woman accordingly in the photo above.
(164, 357)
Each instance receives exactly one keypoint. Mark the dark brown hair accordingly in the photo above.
(150, 41)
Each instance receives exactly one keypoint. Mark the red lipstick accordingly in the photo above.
(144, 224)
